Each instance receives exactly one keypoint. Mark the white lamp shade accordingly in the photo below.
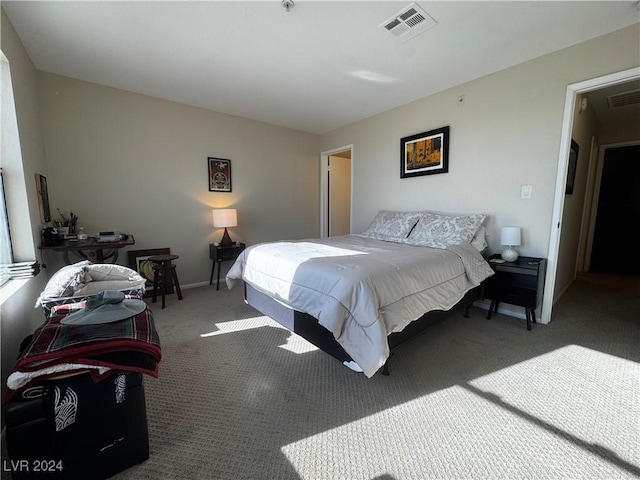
(225, 217)
(510, 236)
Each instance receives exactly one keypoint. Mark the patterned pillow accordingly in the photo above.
(441, 231)
(393, 224)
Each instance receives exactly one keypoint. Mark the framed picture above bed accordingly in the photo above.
(219, 174)
(425, 153)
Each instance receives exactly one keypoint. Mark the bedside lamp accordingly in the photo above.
(510, 236)
(223, 218)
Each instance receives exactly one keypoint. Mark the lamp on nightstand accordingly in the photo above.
(223, 218)
(510, 236)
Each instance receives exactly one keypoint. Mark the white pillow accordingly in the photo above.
(109, 276)
(100, 272)
(392, 224)
(64, 281)
(479, 240)
(440, 231)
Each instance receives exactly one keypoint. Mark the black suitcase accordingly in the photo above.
(73, 428)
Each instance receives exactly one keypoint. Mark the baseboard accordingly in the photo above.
(194, 285)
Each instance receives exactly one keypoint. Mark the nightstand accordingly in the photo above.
(221, 254)
(517, 283)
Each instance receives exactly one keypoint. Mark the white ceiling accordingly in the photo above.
(321, 66)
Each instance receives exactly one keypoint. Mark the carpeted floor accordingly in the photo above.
(238, 397)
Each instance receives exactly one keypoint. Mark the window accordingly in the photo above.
(6, 251)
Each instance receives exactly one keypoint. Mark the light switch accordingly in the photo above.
(525, 191)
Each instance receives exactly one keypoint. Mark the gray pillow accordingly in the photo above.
(392, 224)
(440, 231)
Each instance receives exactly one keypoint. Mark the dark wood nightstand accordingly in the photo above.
(223, 254)
(518, 283)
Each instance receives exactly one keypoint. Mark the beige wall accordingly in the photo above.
(18, 317)
(505, 135)
(137, 164)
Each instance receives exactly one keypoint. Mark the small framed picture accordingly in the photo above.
(219, 174)
(43, 198)
(573, 166)
(425, 153)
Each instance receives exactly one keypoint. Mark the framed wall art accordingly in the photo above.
(573, 165)
(43, 198)
(425, 153)
(219, 174)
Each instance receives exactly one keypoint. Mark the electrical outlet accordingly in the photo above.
(525, 191)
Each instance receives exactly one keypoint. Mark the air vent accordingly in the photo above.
(408, 22)
(623, 99)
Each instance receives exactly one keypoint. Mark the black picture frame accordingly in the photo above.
(219, 174)
(43, 198)
(425, 153)
(572, 168)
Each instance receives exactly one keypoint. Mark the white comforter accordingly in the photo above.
(361, 289)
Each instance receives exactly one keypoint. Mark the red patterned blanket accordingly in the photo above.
(132, 344)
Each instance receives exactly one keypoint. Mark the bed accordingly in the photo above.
(359, 296)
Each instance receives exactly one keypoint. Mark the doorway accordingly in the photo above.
(336, 191)
(618, 208)
(561, 178)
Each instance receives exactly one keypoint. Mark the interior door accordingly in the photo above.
(339, 197)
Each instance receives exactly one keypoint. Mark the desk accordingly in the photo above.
(90, 248)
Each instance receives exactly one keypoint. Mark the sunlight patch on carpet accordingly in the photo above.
(297, 344)
(533, 419)
(241, 325)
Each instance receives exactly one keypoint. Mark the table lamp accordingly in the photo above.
(223, 218)
(510, 236)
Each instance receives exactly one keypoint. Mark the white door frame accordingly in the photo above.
(561, 177)
(324, 170)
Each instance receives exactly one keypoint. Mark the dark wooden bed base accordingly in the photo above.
(308, 327)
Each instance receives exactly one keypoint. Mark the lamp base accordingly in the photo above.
(509, 255)
(226, 239)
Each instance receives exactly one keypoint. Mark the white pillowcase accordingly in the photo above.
(86, 278)
(392, 224)
(479, 241)
(64, 281)
(440, 231)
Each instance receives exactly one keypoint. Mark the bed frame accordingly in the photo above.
(308, 327)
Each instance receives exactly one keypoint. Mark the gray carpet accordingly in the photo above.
(240, 398)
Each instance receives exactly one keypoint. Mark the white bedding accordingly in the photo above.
(359, 288)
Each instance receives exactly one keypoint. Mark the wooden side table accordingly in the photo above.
(221, 254)
(518, 283)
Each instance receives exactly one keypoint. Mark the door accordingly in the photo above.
(335, 192)
(339, 195)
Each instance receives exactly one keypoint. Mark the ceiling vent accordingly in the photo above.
(624, 99)
(408, 22)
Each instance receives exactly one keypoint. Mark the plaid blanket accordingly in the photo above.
(127, 345)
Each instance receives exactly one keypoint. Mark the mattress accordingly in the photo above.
(361, 289)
